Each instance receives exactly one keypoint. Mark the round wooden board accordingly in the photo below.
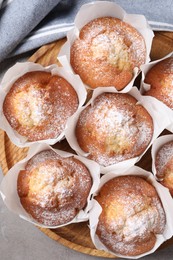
(76, 236)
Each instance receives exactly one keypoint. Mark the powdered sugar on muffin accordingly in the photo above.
(114, 128)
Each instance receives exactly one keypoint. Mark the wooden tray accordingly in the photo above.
(76, 236)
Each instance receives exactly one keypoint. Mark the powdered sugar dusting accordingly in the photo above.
(58, 188)
(31, 107)
(164, 155)
(112, 48)
(113, 129)
(131, 216)
(106, 52)
(39, 110)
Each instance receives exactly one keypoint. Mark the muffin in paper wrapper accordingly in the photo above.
(8, 187)
(98, 9)
(162, 108)
(158, 143)
(16, 72)
(163, 194)
(159, 122)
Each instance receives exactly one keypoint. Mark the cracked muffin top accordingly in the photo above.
(114, 128)
(132, 215)
(53, 189)
(38, 105)
(106, 52)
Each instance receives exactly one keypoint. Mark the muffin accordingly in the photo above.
(106, 53)
(38, 105)
(160, 77)
(114, 128)
(132, 215)
(164, 165)
(53, 189)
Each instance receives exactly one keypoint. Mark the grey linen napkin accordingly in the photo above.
(26, 25)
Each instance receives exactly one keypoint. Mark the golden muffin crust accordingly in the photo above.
(106, 53)
(164, 165)
(132, 215)
(114, 128)
(38, 105)
(53, 189)
(160, 77)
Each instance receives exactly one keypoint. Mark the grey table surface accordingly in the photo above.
(21, 240)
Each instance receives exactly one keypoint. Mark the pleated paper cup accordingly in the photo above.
(162, 108)
(158, 143)
(164, 196)
(97, 9)
(8, 187)
(159, 122)
(15, 73)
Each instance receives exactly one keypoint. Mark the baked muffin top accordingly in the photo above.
(38, 105)
(160, 77)
(53, 189)
(132, 215)
(106, 53)
(114, 128)
(164, 165)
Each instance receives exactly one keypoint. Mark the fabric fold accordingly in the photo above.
(26, 25)
(18, 18)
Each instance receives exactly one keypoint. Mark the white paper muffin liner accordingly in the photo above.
(157, 144)
(98, 9)
(165, 198)
(163, 108)
(159, 121)
(8, 187)
(17, 71)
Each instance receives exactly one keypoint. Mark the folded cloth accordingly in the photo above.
(1, 3)
(26, 25)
